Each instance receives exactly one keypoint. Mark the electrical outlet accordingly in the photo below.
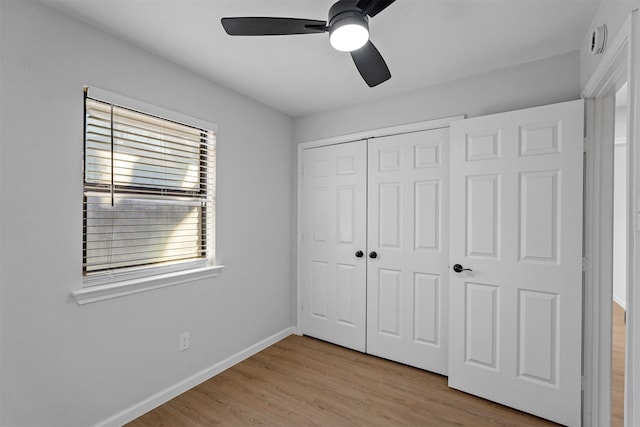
(184, 341)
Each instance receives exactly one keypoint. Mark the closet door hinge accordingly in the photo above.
(586, 144)
(585, 263)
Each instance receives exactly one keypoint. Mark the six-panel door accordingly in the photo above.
(516, 222)
(333, 231)
(407, 282)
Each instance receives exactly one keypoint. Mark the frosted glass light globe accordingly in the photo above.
(348, 37)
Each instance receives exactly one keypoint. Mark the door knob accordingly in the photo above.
(459, 269)
(359, 254)
(373, 254)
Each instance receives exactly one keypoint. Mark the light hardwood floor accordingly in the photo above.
(617, 372)
(302, 381)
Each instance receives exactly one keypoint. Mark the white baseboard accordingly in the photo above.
(620, 301)
(170, 392)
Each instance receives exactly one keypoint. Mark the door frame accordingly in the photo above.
(620, 63)
(342, 139)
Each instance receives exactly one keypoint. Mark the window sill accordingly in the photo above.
(127, 287)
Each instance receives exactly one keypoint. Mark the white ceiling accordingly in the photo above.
(424, 42)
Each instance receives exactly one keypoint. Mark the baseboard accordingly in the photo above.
(622, 303)
(170, 392)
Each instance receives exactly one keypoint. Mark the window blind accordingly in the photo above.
(149, 188)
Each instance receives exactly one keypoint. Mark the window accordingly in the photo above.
(149, 194)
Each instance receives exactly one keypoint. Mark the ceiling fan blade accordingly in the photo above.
(373, 7)
(250, 26)
(371, 65)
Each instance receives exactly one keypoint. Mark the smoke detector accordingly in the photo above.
(598, 40)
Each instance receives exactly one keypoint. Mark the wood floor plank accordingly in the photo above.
(301, 381)
(617, 372)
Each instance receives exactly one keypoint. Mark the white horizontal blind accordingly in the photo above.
(149, 188)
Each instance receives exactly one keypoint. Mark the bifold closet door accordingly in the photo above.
(333, 261)
(407, 276)
(516, 225)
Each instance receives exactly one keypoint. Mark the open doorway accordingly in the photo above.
(620, 257)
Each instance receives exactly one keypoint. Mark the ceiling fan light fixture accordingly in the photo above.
(349, 33)
(347, 25)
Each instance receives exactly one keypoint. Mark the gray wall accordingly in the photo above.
(67, 365)
(547, 81)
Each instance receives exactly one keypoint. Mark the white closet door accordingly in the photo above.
(334, 230)
(516, 222)
(407, 289)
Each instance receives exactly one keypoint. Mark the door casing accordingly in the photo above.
(620, 63)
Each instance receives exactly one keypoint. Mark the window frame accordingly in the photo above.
(116, 282)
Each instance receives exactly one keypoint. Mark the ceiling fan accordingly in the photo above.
(348, 28)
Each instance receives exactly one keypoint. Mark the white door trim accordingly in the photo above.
(374, 133)
(386, 131)
(621, 62)
(598, 285)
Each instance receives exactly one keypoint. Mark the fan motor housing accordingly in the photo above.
(346, 9)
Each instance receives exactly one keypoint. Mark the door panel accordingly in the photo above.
(390, 214)
(426, 308)
(538, 332)
(426, 215)
(538, 231)
(333, 230)
(481, 326)
(408, 225)
(482, 215)
(516, 222)
(389, 290)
